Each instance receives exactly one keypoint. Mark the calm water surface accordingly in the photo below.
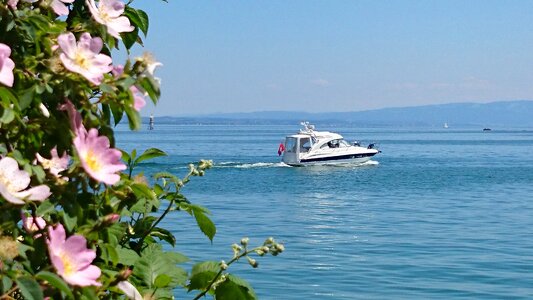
(443, 214)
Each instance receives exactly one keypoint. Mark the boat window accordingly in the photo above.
(333, 144)
(290, 145)
(305, 144)
(344, 143)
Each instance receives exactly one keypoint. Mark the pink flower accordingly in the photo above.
(13, 184)
(60, 8)
(108, 13)
(84, 57)
(71, 257)
(6, 65)
(138, 98)
(32, 224)
(97, 158)
(13, 3)
(55, 164)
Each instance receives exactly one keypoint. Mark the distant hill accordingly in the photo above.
(495, 114)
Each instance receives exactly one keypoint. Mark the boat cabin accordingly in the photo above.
(299, 145)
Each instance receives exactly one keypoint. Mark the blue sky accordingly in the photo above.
(323, 56)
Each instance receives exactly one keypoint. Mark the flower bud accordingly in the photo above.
(269, 241)
(252, 262)
(244, 241)
(223, 265)
(44, 110)
(236, 249)
(111, 218)
(279, 247)
(124, 274)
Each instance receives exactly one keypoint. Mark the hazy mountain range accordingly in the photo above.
(495, 114)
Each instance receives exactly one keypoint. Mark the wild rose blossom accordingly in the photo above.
(97, 158)
(84, 57)
(6, 66)
(13, 184)
(108, 13)
(59, 7)
(71, 257)
(55, 164)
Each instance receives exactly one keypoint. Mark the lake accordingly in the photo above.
(439, 214)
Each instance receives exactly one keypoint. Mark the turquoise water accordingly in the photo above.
(443, 214)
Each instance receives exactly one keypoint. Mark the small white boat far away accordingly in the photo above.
(310, 147)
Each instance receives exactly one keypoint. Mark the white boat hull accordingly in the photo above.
(345, 158)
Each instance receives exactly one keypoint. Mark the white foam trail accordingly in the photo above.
(261, 165)
(237, 165)
(231, 164)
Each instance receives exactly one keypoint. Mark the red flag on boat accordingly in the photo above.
(281, 149)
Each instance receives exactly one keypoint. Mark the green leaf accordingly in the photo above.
(176, 257)
(29, 288)
(129, 38)
(150, 154)
(27, 97)
(109, 253)
(139, 18)
(206, 225)
(7, 96)
(44, 208)
(125, 156)
(144, 21)
(153, 263)
(142, 190)
(70, 221)
(162, 280)
(234, 288)
(56, 282)
(164, 235)
(117, 111)
(202, 274)
(151, 87)
(7, 116)
(127, 256)
(134, 118)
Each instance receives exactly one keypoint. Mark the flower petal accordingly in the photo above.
(38, 193)
(84, 277)
(129, 290)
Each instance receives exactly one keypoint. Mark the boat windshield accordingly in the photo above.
(305, 144)
(290, 145)
(339, 143)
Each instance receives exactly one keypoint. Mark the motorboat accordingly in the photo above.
(310, 147)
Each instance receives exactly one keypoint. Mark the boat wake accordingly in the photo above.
(259, 165)
(238, 165)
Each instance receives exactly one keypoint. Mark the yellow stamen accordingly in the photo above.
(92, 161)
(68, 266)
(81, 60)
